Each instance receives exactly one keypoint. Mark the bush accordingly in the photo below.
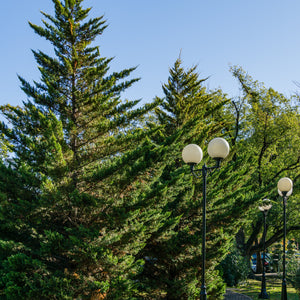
(22, 277)
(297, 282)
(294, 278)
(234, 268)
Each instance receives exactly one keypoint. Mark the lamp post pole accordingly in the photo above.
(285, 189)
(283, 290)
(205, 170)
(263, 294)
(264, 208)
(192, 154)
(203, 287)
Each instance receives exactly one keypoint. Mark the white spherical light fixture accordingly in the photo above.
(285, 184)
(218, 148)
(192, 154)
(265, 205)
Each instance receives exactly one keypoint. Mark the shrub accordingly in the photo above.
(297, 282)
(294, 278)
(234, 268)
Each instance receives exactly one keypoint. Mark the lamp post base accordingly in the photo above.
(203, 293)
(263, 292)
(263, 295)
(283, 291)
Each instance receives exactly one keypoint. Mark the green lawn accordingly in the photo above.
(252, 289)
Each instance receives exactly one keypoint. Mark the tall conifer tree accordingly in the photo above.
(173, 266)
(69, 228)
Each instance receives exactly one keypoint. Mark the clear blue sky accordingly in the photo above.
(261, 36)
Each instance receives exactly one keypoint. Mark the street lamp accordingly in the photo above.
(285, 189)
(192, 154)
(264, 208)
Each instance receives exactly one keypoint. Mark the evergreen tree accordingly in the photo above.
(173, 265)
(185, 99)
(71, 222)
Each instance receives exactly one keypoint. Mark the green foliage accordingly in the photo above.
(3, 148)
(276, 253)
(234, 268)
(267, 124)
(296, 281)
(95, 201)
(69, 204)
(26, 278)
(293, 266)
(172, 269)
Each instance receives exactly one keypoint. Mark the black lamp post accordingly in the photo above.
(285, 189)
(264, 208)
(192, 154)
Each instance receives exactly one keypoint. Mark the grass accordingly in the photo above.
(252, 289)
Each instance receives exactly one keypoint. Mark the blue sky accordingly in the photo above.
(261, 36)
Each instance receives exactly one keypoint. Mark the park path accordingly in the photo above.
(231, 295)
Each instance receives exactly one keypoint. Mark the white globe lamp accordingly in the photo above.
(218, 148)
(192, 154)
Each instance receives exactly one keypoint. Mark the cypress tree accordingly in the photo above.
(70, 220)
(173, 265)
